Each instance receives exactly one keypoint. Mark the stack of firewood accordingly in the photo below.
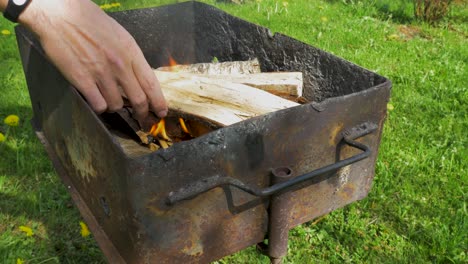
(222, 94)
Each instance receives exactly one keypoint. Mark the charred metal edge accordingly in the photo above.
(105, 244)
(349, 136)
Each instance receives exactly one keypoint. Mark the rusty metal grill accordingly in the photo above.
(214, 195)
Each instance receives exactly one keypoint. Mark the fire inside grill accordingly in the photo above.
(171, 130)
(219, 94)
(158, 136)
(231, 179)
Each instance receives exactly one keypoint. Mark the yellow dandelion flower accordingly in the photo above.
(84, 229)
(26, 230)
(19, 261)
(12, 120)
(390, 107)
(115, 4)
(2, 138)
(105, 6)
(324, 19)
(6, 32)
(393, 37)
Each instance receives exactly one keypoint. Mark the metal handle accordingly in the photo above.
(199, 187)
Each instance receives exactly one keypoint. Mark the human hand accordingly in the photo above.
(96, 55)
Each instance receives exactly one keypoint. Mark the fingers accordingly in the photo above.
(94, 97)
(108, 87)
(136, 95)
(99, 71)
(149, 83)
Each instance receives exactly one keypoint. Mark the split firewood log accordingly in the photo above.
(219, 94)
(229, 67)
(220, 102)
(285, 84)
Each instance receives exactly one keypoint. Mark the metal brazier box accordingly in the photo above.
(209, 197)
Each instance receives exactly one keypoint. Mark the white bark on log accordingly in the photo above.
(229, 67)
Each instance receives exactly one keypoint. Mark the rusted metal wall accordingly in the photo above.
(126, 197)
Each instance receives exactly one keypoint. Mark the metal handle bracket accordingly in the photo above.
(194, 189)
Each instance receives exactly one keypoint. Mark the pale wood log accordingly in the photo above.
(220, 102)
(215, 91)
(163, 143)
(153, 146)
(285, 84)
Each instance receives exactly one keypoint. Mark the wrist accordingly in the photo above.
(3, 4)
(38, 14)
(29, 15)
(12, 9)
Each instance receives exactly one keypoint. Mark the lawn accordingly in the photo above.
(416, 211)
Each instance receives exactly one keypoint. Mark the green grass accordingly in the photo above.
(416, 210)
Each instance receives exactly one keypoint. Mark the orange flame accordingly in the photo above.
(183, 126)
(172, 62)
(160, 129)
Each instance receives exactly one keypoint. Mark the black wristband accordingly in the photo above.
(14, 9)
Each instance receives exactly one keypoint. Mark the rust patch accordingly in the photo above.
(194, 247)
(347, 191)
(80, 155)
(334, 133)
(187, 223)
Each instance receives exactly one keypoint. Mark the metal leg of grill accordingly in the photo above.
(279, 215)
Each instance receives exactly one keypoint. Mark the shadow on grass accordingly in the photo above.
(33, 192)
(400, 11)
